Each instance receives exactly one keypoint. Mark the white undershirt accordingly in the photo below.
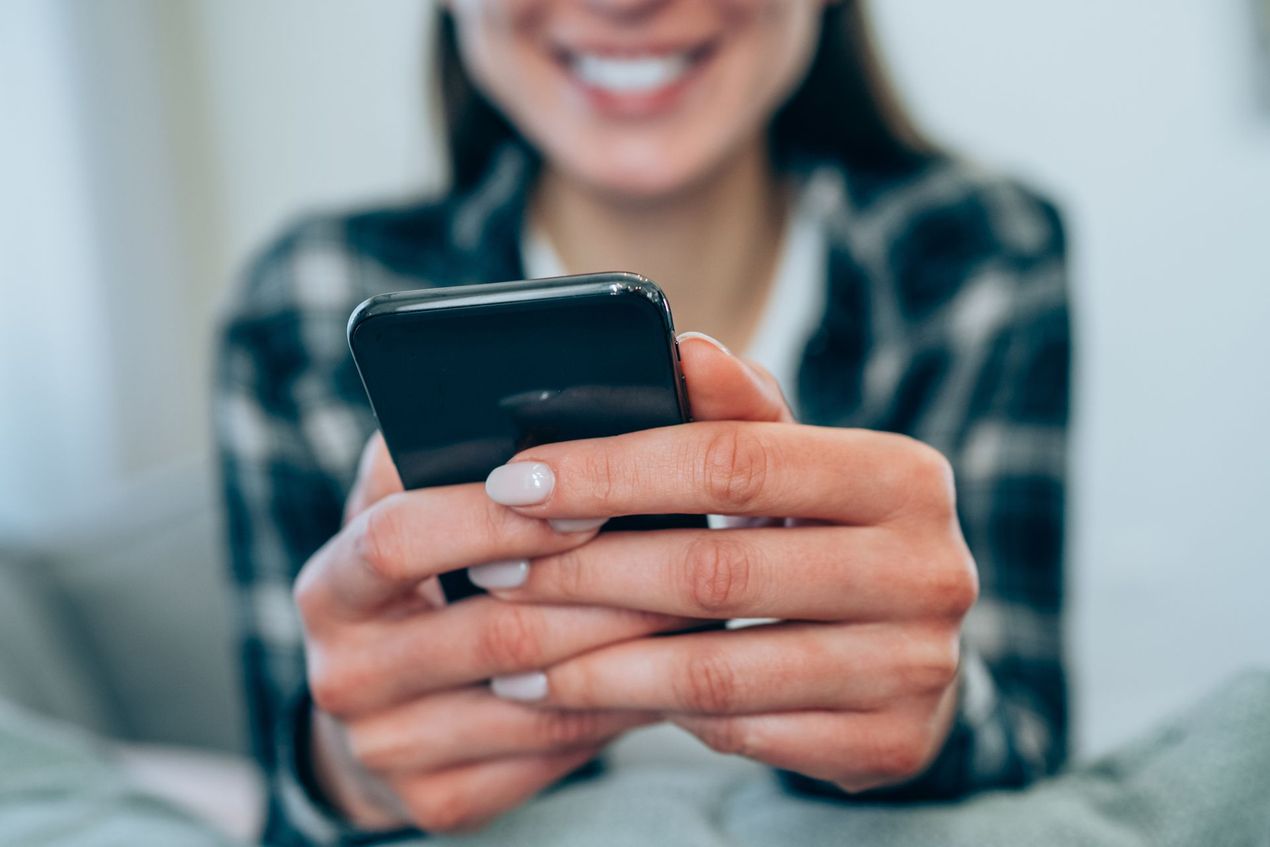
(795, 300)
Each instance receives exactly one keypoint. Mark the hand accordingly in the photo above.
(857, 683)
(405, 728)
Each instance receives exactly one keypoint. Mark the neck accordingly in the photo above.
(712, 247)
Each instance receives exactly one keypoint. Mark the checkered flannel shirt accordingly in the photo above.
(946, 319)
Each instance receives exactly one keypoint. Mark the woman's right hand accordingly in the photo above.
(405, 728)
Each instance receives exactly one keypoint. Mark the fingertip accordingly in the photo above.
(573, 526)
(529, 687)
(722, 386)
(705, 361)
(694, 337)
(499, 576)
(520, 483)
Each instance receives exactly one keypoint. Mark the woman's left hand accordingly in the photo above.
(857, 682)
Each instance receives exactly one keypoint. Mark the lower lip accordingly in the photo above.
(633, 105)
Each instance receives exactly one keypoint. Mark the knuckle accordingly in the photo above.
(734, 468)
(380, 540)
(718, 572)
(934, 667)
(495, 523)
(899, 757)
(368, 747)
(602, 476)
(328, 695)
(708, 684)
(440, 809)
(568, 574)
(334, 690)
(955, 584)
(306, 595)
(933, 467)
(928, 480)
(567, 729)
(511, 640)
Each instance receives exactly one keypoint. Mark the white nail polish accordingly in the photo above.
(709, 339)
(577, 524)
(520, 484)
(495, 575)
(520, 686)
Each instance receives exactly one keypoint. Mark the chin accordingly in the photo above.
(641, 174)
(636, 185)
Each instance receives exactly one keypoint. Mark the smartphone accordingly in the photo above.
(463, 378)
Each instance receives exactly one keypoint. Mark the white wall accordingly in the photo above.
(1143, 117)
(105, 329)
(166, 140)
(158, 144)
(52, 377)
(314, 103)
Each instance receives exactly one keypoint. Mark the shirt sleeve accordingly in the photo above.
(1010, 457)
(282, 437)
(1001, 417)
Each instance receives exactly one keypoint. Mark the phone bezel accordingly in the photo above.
(563, 288)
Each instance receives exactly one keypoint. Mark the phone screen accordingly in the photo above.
(460, 390)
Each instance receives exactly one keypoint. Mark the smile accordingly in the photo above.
(634, 83)
(641, 74)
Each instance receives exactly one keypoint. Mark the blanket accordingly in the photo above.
(1202, 778)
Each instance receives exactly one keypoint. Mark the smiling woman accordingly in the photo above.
(842, 103)
(638, 111)
(896, 443)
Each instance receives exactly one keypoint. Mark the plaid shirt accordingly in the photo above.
(946, 319)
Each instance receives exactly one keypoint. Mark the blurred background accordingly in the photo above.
(148, 146)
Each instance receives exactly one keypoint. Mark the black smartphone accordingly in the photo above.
(461, 379)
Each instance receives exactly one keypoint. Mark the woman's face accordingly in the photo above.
(638, 98)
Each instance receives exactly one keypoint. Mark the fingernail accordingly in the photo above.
(520, 686)
(520, 483)
(684, 336)
(577, 524)
(511, 574)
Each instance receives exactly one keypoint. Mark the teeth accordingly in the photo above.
(628, 76)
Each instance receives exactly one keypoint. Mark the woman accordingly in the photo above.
(748, 156)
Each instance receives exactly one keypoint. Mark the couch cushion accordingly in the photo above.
(144, 580)
(43, 665)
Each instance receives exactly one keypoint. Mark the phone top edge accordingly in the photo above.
(515, 291)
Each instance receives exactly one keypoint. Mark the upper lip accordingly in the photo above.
(628, 50)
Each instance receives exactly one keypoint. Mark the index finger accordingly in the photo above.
(729, 468)
(409, 537)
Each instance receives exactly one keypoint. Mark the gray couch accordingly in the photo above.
(120, 622)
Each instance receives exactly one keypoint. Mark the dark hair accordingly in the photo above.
(844, 108)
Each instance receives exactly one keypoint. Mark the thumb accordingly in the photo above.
(376, 478)
(722, 387)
